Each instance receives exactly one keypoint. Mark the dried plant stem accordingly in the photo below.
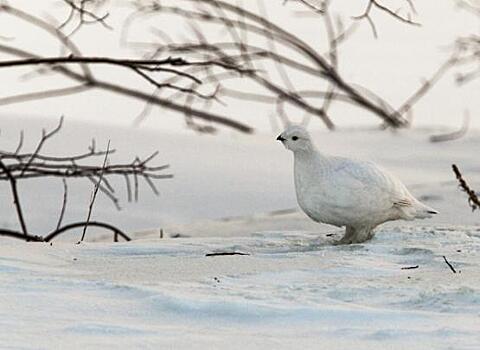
(449, 265)
(473, 200)
(95, 191)
(16, 199)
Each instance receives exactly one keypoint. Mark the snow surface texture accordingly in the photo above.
(295, 291)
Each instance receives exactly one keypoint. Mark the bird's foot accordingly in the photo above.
(343, 241)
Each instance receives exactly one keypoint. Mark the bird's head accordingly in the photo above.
(295, 138)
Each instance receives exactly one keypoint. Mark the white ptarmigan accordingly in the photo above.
(344, 192)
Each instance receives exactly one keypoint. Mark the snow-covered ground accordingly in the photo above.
(295, 290)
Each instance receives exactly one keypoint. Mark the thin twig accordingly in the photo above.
(427, 84)
(226, 254)
(449, 265)
(16, 198)
(375, 4)
(45, 137)
(83, 16)
(64, 203)
(20, 143)
(473, 200)
(95, 191)
(453, 135)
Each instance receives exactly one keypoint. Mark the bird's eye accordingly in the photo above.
(294, 138)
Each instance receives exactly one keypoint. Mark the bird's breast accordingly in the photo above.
(311, 190)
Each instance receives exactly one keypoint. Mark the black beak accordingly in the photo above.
(280, 138)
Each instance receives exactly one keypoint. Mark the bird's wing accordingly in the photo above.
(405, 202)
(370, 181)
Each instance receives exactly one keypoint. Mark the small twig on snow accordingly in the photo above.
(449, 265)
(226, 253)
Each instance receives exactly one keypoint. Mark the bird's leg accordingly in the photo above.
(348, 237)
(362, 234)
(356, 235)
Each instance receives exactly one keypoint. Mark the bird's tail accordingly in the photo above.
(423, 211)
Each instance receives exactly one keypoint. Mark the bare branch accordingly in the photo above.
(207, 67)
(16, 198)
(428, 84)
(64, 203)
(34, 96)
(19, 165)
(20, 235)
(82, 15)
(473, 200)
(74, 225)
(309, 5)
(453, 135)
(375, 4)
(20, 142)
(95, 191)
(449, 265)
(248, 22)
(45, 137)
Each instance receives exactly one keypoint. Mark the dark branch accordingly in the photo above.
(473, 200)
(20, 235)
(375, 4)
(226, 254)
(64, 203)
(95, 191)
(449, 265)
(72, 226)
(16, 198)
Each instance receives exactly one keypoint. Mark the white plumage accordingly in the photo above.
(344, 192)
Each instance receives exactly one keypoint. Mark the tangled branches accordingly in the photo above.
(281, 68)
(86, 79)
(255, 59)
(374, 4)
(18, 165)
(81, 15)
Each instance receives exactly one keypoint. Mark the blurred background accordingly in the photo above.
(385, 75)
